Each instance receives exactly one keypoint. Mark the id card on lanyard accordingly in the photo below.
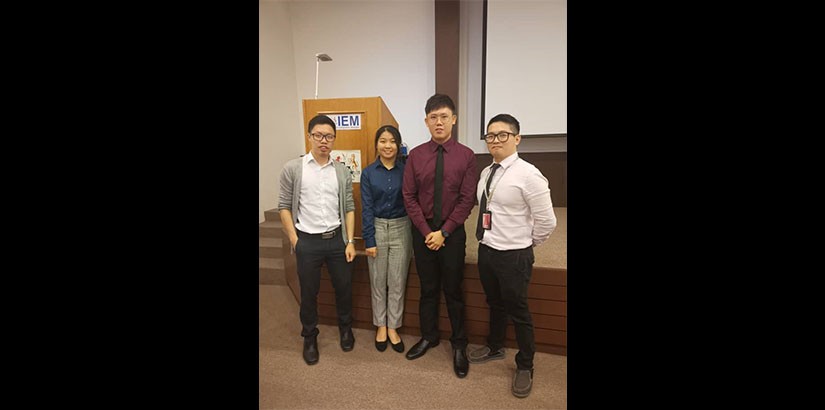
(487, 216)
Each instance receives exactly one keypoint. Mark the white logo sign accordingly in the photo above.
(346, 121)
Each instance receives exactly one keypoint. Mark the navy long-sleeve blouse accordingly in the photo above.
(380, 196)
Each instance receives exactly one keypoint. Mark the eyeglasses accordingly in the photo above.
(443, 117)
(319, 137)
(502, 136)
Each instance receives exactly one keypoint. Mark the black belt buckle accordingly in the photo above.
(328, 235)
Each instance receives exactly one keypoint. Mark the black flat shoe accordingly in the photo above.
(381, 346)
(398, 347)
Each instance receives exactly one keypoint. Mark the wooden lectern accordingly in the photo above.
(356, 121)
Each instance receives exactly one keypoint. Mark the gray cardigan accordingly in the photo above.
(291, 190)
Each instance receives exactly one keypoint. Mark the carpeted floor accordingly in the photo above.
(368, 379)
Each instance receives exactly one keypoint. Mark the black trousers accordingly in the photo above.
(436, 270)
(311, 253)
(505, 276)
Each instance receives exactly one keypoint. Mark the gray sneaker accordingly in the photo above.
(522, 383)
(484, 354)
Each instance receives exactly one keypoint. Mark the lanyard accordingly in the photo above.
(489, 195)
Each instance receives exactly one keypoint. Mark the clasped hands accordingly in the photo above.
(435, 240)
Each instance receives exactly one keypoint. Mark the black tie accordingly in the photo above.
(439, 180)
(483, 206)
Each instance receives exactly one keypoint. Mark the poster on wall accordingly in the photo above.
(350, 158)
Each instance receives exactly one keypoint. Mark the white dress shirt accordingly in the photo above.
(318, 208)
(522, 211)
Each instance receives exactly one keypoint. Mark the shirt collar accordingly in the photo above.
(378, 165)
(447, 145)
(507, 161)
(309, 158)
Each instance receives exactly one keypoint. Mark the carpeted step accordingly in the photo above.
(270, 247)
(270, 229)
(272, 215)
(271, 271)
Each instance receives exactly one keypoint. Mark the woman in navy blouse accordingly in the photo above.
(387, 236)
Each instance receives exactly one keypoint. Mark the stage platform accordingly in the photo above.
(551, 254)
(547, 294)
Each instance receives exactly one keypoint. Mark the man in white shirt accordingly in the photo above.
(515, 214)
(318, 214)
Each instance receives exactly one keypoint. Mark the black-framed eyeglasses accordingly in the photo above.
(502, 136)
(319, 137)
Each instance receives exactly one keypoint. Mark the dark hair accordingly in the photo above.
(318, 120)
(439, 101)
(506, 118)
(395, 133)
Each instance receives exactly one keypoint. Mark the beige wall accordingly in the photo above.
(280, 135)
(379, 48)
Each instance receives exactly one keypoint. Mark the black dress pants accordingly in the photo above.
(439, 269)
(505, 276)
(311, 253)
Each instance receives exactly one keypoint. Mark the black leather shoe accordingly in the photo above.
(460, 363)
(311, 350)
(420, 348)
(398, 347)
(347, 340)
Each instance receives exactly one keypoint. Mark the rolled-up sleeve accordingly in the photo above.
(537, 197)
(285, 195)
(350, 203)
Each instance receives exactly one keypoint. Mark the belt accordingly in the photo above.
(326, 235)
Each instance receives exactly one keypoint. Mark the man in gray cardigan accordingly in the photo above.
(315, 198)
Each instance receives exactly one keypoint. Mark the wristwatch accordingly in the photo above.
(349, 241)
(445, 233)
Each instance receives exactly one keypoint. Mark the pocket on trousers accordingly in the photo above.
(524, 264)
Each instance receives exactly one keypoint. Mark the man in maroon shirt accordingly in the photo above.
(438, 233)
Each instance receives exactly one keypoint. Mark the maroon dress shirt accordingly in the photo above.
(459, 186)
